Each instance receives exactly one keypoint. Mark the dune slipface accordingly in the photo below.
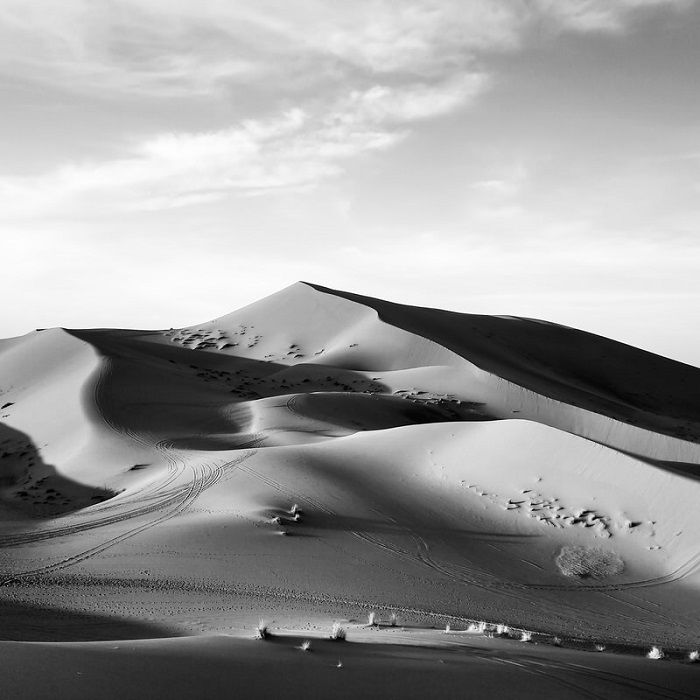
(319, 453)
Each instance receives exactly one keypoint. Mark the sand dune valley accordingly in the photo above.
(483, 506)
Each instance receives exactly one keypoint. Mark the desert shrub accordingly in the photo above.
(262, 631)
(306, 645)
(655, 653)
(588, 562)
(373, 619)
(393, 620)
(694, 656)
(338, 632)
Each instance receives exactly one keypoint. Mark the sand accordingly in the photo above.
(318, 455)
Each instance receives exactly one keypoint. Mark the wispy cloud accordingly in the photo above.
(611, 16)
(163, 48)
(296, 149)
(341, 80)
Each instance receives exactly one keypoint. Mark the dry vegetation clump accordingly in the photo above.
(373, 619)
(393, 620)
(262, 631)
(588, 562)
(338, 632)
(694, 656)
(306, 645)
(655, 653)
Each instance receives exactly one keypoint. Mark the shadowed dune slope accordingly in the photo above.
(563, 363)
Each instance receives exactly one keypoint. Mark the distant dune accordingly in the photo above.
(318, 454)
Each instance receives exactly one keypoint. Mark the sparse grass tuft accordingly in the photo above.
(306, 645)
(694, 656)
(373, 619)
(600, 647)
(447, 628)
(338, 632)
(655, 653)
(262, 631)
(588, 562)
(393, 620)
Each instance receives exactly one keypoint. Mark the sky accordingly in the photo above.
(164, 162)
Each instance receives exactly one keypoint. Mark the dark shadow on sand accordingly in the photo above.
(24, 622)
(31, 488)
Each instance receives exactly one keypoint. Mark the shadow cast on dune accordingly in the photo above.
(565, 364)
(33, 623)
(195, 399)
(31, 488)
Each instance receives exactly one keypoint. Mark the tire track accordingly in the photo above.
(203, 477)
(143, 498)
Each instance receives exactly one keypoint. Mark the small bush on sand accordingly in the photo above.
(588, 562)
(478, 627)
(525, 636)
(338, 632)
(262, 631)
(373, 619)
(502, 630)
(694, 656)
(393, 620)
(655, 653)
(306, 645)
(600, 647)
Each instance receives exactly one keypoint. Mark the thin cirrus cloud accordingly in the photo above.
(166, 48)
(356, 78)
(295, 149)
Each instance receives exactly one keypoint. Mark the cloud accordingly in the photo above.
(609, 16)
(171, 48)
(296, 149)
(340, 80)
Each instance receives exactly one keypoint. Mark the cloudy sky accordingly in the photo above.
(163, 162)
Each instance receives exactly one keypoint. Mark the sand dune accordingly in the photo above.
(447, 467)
